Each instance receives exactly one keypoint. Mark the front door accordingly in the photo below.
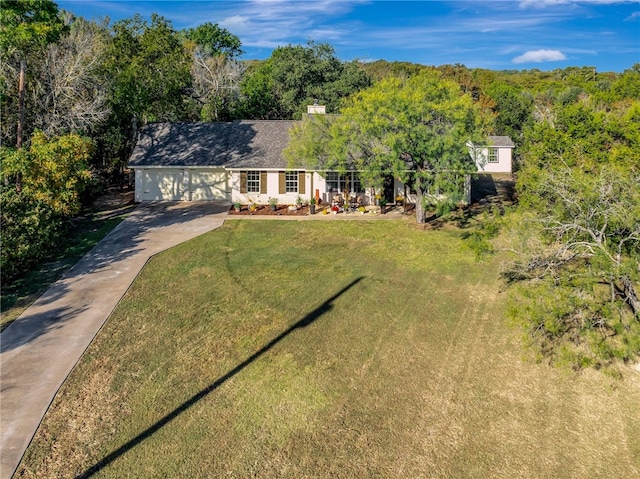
(388, 190)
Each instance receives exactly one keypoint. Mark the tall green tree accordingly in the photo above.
(26, 28)
(282, 86)
(150, 70)
(214, 40)
(513, 109)
(260, 99)
(416, 129)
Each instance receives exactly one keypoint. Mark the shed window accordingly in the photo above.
(493, 155)
(253, 182)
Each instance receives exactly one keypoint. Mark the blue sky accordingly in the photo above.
(498, 35)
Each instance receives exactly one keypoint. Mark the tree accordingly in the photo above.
(416, 129)
(577, 235)
(150, 70)
(627, 85)
(216, 84)
(513, 108)
(216, 73)
(462, 75)
(27, 26)
(72, 93)
(54, 173)
(214, 40)
(259, 95)
(282, 86)
(381, 69)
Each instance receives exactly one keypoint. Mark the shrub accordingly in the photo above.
(31, 230)
(41, 187)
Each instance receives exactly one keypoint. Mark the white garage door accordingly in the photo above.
(209, 185)
(162, 185)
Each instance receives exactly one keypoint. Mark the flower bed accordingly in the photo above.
(265, 210)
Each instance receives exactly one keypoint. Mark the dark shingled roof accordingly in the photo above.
(240, 144)
(501, 141)
(255, 144)
(258, 144)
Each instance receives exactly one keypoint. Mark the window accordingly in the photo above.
(356, 184)
(253, 182)
(333, 181)
(291, 182)
(349, 182)
(493, 155)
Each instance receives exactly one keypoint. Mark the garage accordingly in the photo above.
(178, 184)
(182, 162)
(160, 185)
(209, 184)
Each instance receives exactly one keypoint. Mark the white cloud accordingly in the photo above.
(263, 23)
(634, 16)
(551, 3)
(236, 23)
(538, 56)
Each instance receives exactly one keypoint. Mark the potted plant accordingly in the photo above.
(312, 206)
(383, 205)
(273, 202)
(237, 206)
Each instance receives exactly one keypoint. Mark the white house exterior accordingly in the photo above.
(242, 161)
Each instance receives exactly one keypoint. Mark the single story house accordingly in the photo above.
(242, 161)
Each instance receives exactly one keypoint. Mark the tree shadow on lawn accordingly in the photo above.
(306, 321)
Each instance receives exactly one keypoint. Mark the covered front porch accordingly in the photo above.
(348, 191)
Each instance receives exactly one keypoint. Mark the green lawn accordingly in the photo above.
(327, 349)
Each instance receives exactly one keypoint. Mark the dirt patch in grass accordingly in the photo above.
(320, 349)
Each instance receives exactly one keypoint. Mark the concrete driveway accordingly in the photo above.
(42, 346)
